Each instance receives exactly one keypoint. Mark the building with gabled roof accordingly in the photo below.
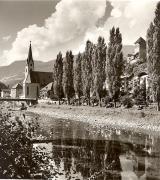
(34, 80)
(16, 91)
(139, 54)
(47, 91)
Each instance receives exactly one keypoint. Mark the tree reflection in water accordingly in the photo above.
(85, 152)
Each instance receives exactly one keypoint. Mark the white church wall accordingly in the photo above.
(31, 90)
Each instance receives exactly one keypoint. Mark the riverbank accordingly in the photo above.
(145, 121)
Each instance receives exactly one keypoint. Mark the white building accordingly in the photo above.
(34, 80)
(16, 91)
(5, 93)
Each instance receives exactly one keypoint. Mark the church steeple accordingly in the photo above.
(30, 57)
(29, 65)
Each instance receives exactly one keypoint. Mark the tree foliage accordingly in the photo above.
(78, 76)
(87, 70)
(15, 148)
(153, 54)
(57, 76)
(98, 67)
(68, 87)
(115, 66)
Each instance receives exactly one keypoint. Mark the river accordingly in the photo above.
(78, 150)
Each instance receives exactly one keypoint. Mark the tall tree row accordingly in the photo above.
(150, 65)
(57, 76)
(153, 49)
(87, 70)
(68, 87)
(98, 68)
(88, 75)
(78, 77)
(115, 64)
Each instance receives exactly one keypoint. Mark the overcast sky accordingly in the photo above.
(60, 25)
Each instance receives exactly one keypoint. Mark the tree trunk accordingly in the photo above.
(158, 105)
(158, 98)
(68, 100)
(115, 104)
(79, 101)
(89, 100)
(59, 101)
(100, 104)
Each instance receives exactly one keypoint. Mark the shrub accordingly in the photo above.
(127, 101)
(107, 100)
(16, 159)
(94, 101)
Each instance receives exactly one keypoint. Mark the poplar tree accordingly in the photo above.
(68, 87)
(78, 76)
(150, 65)
(87, 70)
(98, 67)
(57, 76)
(115, 64)
(155, 53)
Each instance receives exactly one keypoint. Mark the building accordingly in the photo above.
(47, 91)
(34, 80)
(139, 52)
(5, 93)
(137, 61)
(16, 91)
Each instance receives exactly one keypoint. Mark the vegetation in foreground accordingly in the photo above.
(18, 158)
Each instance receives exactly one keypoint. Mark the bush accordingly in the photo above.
(127, 101)
(94, 101)
(107, 100)
(16, 159)
(140, 101)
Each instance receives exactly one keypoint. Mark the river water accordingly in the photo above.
(79, 150)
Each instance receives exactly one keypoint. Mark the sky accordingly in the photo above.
(61, 25)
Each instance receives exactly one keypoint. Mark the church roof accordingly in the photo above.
(17, 86)
(43, 78)
(30, 57)
(140, 40)
(48, 87)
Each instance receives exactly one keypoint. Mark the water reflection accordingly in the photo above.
(80, 151)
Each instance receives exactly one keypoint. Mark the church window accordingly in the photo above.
(27, 90)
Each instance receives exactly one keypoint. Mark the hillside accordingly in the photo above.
(2, 86)
(128, 49)
(14, 72)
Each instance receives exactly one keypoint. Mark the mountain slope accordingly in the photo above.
(3, 86)
(14, 72)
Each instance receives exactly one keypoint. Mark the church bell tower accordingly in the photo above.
(29, 65)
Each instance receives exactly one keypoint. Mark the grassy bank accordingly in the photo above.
(146, 121)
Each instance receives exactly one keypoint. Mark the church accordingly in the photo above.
(34, 80)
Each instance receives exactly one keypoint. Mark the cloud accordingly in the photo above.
(61, 31)
(108, 9)
(132, 16)
(75, 21)
(6, 38)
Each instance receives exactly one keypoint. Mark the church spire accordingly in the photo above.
(30, 58)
